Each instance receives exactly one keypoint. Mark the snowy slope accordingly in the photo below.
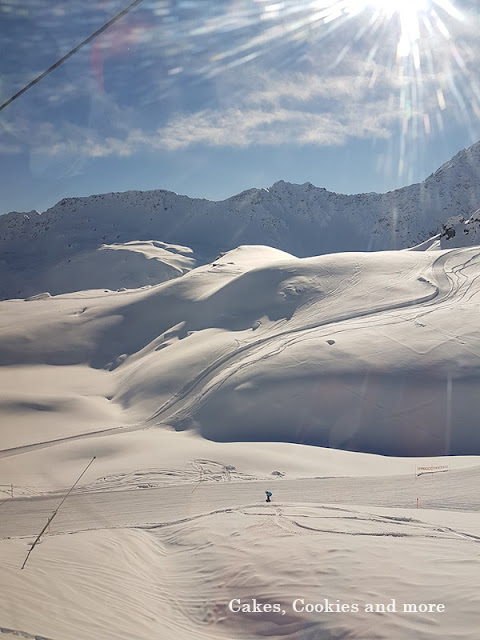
(300, 219)
(110, 266)
(375, 352)
(199, 394)
(157, 564)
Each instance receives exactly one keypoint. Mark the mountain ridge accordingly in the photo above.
(303, 220)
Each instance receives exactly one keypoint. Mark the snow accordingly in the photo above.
(168, 562)
(199, 394)
(205, 368)
(375, 352)
(44, 403)
(461, 232)
(128, 265)
(73, 243)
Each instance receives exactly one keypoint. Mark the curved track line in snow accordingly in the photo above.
(288, 524)
(441, 292)
(13, 451)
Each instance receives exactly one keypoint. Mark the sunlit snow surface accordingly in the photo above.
(161, 563)
(373, 352)
(138, 238)
(199, 394)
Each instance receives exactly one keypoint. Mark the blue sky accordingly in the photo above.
(209, 97)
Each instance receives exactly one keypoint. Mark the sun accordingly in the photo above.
(400, 6)
(406, 7)
(411, 15)
(407, 51)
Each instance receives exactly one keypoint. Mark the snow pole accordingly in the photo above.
(417, 503)
(198, 483)
(47, 526)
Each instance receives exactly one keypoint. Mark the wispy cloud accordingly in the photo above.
(243, 128)
(334, 99)
(293, 109)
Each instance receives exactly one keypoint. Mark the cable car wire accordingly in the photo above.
(70, 53)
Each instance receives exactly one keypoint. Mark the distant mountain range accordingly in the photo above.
(57, 251)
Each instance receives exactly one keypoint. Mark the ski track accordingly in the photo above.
(23, 517)
(441, 293)
(13, 451)
(444, 289)
(279, 521)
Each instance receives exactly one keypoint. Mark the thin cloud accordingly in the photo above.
(362, 100)
(230, 128)
(238, 128)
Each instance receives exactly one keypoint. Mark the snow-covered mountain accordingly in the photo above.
(461, 231)
(184, 402)
(116, 266)
(303, 220)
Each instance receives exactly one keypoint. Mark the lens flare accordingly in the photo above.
(411, 14)
(416, 43)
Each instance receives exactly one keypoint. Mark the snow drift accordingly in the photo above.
(374, 352)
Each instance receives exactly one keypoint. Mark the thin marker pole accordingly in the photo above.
(198, 483)
(37, 539)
